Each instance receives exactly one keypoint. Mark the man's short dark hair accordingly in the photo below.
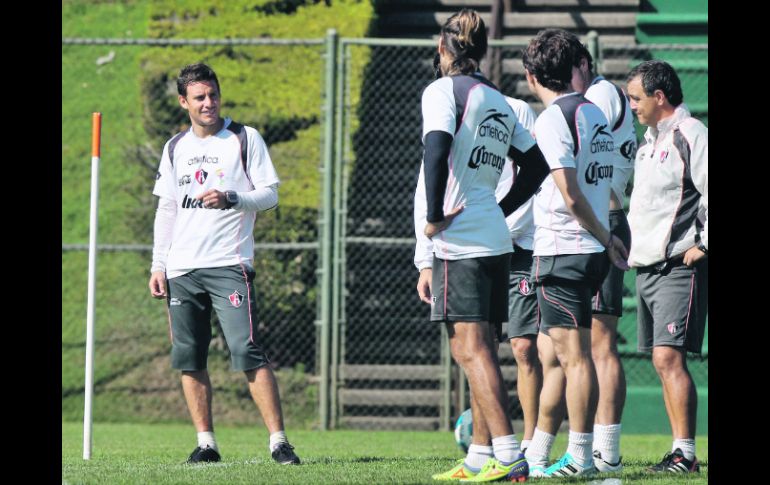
(656, 75)
(195, 73)
(550, 57)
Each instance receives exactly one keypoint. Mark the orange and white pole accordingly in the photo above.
(96, 140)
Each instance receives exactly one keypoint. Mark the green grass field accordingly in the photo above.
(152, 454)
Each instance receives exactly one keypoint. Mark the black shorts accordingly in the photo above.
(564, 285)
(609, 299)
(522, 300)
(470, 290)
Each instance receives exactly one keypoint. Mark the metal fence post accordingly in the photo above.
(326, 237)
(338, 269)
(592, 43)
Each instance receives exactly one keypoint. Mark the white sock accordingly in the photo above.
(539, 448)
(525, 444)
(206, 438)
(687, 446)
(276, 439)
(506, 449)
(477, 456)
(580, 448)
(607, 441)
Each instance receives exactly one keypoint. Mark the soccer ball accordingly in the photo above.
(464, 430)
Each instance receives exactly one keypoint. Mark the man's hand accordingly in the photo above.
(618, 253)
(158, 284)
(433, 228)
(424, 284)
(693, 255)
(213, 199)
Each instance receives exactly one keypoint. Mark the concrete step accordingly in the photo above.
(609, 66)
(579, 21)
(518, 5)
(390, 397)
(391, 422)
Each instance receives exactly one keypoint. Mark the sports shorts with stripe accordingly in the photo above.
(229, 290)
(522, 300)
(609, 299)
(471, 290)
(672, 305)
(564, 284)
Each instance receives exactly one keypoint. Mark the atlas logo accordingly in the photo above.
(236, 299)
(480, 156)
(596, 172)
(628, 150)
(524, 287)
(184, 180)
(200, 176)
(601, 145)
(672, 328)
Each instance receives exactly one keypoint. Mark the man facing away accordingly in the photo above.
(212, 180)
(573, 245)
(607, 302)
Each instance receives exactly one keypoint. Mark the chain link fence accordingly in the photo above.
(394, 365)
(337, 303)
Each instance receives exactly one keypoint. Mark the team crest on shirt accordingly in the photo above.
(200, 176)
(236, 299)
(663, 155)
(524, 287)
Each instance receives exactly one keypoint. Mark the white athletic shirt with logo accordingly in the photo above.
(483, 126)
(521, 224)
(209, 238)
(557, 231)
(605, 95)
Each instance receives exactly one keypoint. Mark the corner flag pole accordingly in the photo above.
(96, 136)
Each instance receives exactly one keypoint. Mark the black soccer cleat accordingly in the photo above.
(203, 455)
(676, 463)
(284, 454)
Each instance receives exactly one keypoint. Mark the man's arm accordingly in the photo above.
(699, 158)
(576, 203)
(165, 216)
(533, 169)
(423, 250)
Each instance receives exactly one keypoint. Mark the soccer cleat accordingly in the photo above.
(568, 467)
(493, 470)
(203, 455)
(458, 472)
(605, 466)
(675, 462)
(284, 454)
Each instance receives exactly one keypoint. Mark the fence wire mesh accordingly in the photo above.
(394, 363)
(389, 366)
